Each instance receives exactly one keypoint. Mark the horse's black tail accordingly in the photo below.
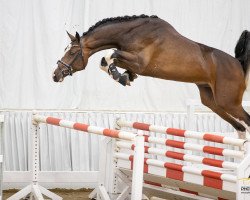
(242, 51)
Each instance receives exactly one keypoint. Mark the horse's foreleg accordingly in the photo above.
(207, 99)
(123, 59)
(129, 60)
(107, 65)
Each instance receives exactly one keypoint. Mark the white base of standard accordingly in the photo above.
(36, 191)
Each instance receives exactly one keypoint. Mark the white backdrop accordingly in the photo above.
(33, 38)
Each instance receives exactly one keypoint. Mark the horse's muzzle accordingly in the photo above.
(57, 77)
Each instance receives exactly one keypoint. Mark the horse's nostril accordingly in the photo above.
(54, 78)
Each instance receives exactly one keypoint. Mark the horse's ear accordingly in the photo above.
(72, 38)
(77, 37)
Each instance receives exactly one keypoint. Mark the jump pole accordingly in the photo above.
(181, 133)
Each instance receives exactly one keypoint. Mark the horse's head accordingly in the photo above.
(72, 61)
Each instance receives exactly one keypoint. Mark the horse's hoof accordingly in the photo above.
(132, 76)
(124, 79)
(104, 62)
(128, 79)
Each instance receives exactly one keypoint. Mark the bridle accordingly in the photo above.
(69, 69)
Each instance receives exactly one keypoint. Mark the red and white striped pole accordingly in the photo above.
(181, 168)
(182, 133)
(181, 156)
(195, 147)
(84, 127)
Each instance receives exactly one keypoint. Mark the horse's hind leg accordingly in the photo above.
(228, 95)
(207, 99)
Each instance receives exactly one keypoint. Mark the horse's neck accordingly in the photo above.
(107, 36)
(100, 45)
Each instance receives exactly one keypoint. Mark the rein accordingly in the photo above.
(69, 68)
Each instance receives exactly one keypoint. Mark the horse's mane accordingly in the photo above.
(117, 19)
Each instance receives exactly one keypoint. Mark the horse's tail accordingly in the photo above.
(242, 52)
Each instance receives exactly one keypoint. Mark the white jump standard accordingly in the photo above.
(139, 153)
(1, 154)
(37, 191)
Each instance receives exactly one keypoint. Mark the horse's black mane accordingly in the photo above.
(117, 19)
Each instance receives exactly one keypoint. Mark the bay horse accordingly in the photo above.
(149, 46)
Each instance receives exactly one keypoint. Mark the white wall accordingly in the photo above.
(33, 38)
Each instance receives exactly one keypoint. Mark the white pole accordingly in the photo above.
(103, 168)
(1, 155)
(35, 151)
(137, 177)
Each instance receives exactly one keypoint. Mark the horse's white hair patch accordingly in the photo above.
(108, 58)
(105, 68)
(242, 135)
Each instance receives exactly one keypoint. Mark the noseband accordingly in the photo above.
(69, 68)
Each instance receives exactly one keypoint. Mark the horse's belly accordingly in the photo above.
(183, 72)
